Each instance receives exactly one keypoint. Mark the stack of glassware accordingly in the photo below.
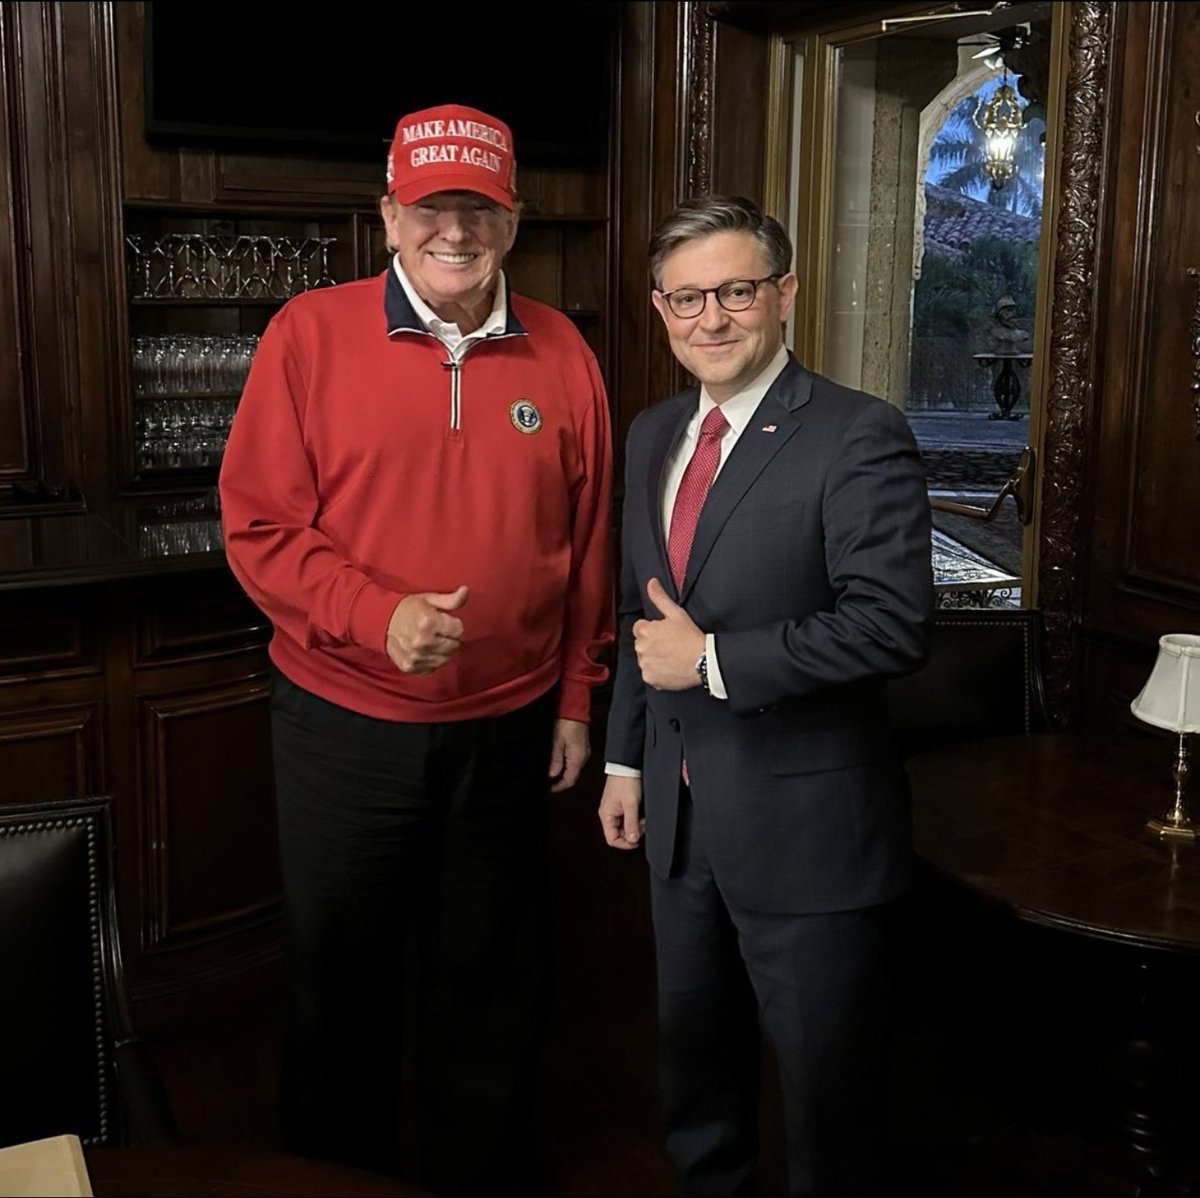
(220, 266)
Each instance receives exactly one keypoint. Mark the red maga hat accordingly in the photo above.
(451, 148)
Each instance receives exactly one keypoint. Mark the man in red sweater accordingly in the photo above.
(416, 492)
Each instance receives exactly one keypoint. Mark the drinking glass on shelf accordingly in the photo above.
(324, 278)
(188, 256)
(143, 365)
(245, 355)
(226, 266)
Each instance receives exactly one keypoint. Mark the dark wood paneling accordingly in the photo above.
(191, 619)
(89, 246)
(47, 634)
(1143, 575)
(1163, 454)
(36, 443)
(211, 862)
(1116, 671)
(242, 178)
(51, 753)
(649, 183)
(739, 112)
(15, 444)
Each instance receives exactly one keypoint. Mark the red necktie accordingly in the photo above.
(693, 488)
(689, 499)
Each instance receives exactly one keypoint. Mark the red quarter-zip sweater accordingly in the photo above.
(363, 467)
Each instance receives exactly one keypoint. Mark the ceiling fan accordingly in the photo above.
(1000, 43)
(955, 11)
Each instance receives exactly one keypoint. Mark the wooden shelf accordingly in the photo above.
(565, 218)
(227, 302)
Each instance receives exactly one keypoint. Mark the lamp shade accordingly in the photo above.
(1171, 697)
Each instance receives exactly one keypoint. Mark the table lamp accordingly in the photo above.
(1171, 699)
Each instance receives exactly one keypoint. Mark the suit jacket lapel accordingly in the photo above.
(665, 442)
(781, 410)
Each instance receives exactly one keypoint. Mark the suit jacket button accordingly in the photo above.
(673, 725)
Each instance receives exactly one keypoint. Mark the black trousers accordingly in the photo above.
(409, 844)
(817, 984)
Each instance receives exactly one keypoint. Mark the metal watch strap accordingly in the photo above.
(702, 670)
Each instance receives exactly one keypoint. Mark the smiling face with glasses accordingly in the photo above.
(724, 314)
(735, 296)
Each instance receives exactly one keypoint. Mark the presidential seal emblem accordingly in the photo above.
(525, 416)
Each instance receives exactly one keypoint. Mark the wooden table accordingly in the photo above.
(1050, 830)
(1053, 829)
(164, 1172)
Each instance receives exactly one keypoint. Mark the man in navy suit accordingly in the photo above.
(775, 572)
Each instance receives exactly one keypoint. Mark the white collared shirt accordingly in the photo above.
(446, 331)
(737, 411)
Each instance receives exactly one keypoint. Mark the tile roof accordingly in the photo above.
(953, 221)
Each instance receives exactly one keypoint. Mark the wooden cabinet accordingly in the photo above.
(155, 691)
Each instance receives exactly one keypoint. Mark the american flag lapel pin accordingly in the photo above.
(770, 428)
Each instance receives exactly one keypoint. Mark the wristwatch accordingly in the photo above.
(702, 670)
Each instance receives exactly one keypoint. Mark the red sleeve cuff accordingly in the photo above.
(574, 701)
(370, 614)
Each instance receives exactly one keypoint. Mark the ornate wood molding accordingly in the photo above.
(1072, 348)
(1194, 328)
(696, 97)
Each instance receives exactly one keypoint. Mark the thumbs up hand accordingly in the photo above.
(667, 649)
(423, 633)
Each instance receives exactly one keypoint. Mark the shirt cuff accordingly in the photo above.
(574, 701)
(614, 770)
(370, 614)
(716, 684)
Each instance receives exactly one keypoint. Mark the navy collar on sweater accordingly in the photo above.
(401, 318)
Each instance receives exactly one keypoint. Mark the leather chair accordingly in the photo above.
(69, 1060)
(983, 678)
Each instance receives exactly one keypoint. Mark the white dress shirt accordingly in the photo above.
(446, 331)
(737, 411)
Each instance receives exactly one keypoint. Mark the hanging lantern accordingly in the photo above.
(1001, 123)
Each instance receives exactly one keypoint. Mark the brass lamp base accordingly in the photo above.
(1169, 830)
(1176, 825)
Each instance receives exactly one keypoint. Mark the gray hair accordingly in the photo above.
(701, 216)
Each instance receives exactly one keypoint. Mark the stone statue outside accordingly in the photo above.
(1005, 342)
(1003, 334)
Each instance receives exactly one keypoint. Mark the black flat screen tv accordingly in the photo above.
(336, 77)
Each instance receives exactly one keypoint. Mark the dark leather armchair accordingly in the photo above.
(69, 1061)
(983, 678)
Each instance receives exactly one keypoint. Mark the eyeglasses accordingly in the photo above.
(735, 296)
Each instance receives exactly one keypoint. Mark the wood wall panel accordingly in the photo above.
(47, 635)
(1117, 671)
(37, 443)
(210, 864)
(650, 178)
(190, 619)
(15, 443)
(52, 753)
(1160, 533)
(739, 112)
(1143, 566)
